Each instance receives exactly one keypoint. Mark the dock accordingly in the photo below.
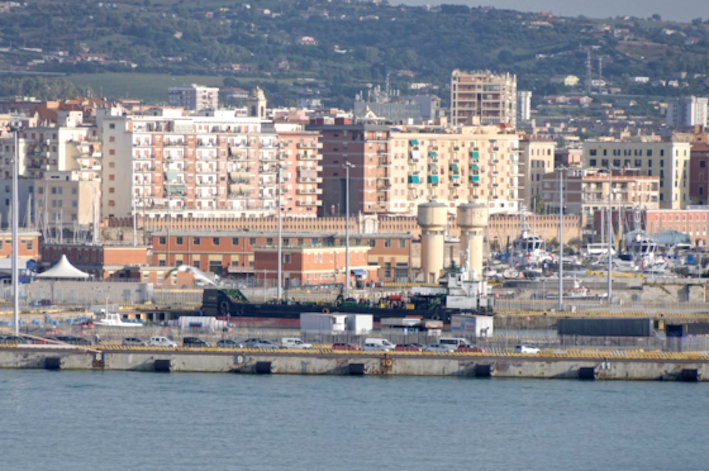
(569, 364)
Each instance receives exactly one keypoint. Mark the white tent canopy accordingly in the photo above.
(63, 269)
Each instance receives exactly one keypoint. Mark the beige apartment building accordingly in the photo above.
(63, 198)
(474, 162)
(665, 159)
(483, 97)
(586, 191)
(536, 159)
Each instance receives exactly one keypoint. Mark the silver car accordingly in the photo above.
(440, 348)
(134, 342)
(260, 343)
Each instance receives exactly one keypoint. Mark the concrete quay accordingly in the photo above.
(598, 365)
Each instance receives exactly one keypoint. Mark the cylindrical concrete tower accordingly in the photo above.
(432, 217)
(472, 220)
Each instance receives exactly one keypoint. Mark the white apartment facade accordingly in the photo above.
(483, 97)
(524, 106)
(194, 97)
(163, 163)
(687, 111)
(665, 159)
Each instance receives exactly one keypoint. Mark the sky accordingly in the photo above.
(676, 10)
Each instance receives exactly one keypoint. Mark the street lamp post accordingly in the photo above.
(279, 167)
(610, 234)
(561, 238)
(15, 128)
(348, 166)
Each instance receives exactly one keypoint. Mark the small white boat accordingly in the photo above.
(114, 320)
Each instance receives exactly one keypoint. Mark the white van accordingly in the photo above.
(378, 345)
(162, 342)
(453, 342)
(294, 342)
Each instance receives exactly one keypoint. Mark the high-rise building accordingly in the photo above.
(687, 111)
(524, 106)
(483, 97)
(668, 160)
(194, 98)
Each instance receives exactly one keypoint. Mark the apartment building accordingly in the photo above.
(62, 198)
(524, 106)
(396, 169)
(483, 97)
(687, 111)
(699, 174)
(586, 191)
(364, 146)
(234, 253)
(28, 247)
(212, 165)
(301, 195)
(194, 97)
(536, 159)
(473, 162)
(668, 160)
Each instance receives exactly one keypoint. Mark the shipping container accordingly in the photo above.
(323, 323)
(479, 326)
(605, 327)
(359, 324)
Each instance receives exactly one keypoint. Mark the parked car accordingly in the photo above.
(195, 342)
(162, 342)
(260, 343)
(345, 346)
(134, 342)
(72, 340)
(15, 339)
(440, 348)
(469, 348)
(409, 347)
(295, 342)
(526, 349)
(229, 343)
(378, 345)
(453, 342)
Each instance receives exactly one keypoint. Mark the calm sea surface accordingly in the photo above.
(134, 421)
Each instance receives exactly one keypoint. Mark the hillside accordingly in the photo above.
(357, 43)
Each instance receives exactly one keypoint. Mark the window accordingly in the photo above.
(29, 245)
(649, 152)
(179, 240)
(594, 152)
(269, 241)
(196, 240)
(702, 163)
(604, 163)
(662, 163)
(111, 177)
(252, 241)
(662, 152)
(387, 243)
(649, 163)
(234, 241)
(314, 241)
(74, 191)
(40, 190)
(286, 258)
(605, 152)
(161, 263)
(593, 162)
(112, 126)
(195, 263)
(111, 190)
(701, 190)
(162, 240)
(372, 243)
(215, 240)
(402, 243)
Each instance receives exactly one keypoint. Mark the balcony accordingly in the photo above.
(309, 180)
(316, 168)
(309, 145)
(174, 143)
(267, 169)
(206, 170)
(205, 183)
(206, 144)
(308, 203)
(309, 191)
(238, 196)
(310, 156)
(171, 158)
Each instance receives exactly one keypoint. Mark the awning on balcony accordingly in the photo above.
(175, 189)
(433, 179)
(474, 168)
(359, 272)
(454, 168)
(433, 154)
(475, 155)
(414, 179)
(414, 142)
(415, 155)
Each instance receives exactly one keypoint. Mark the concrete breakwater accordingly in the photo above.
(569, 365)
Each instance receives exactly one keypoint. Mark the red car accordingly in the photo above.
(469, 348)
(344, 346)
(409, 347)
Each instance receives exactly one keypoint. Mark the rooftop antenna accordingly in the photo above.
(600, 74)
(588, 71)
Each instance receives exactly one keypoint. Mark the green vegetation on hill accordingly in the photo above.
(201, 39)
